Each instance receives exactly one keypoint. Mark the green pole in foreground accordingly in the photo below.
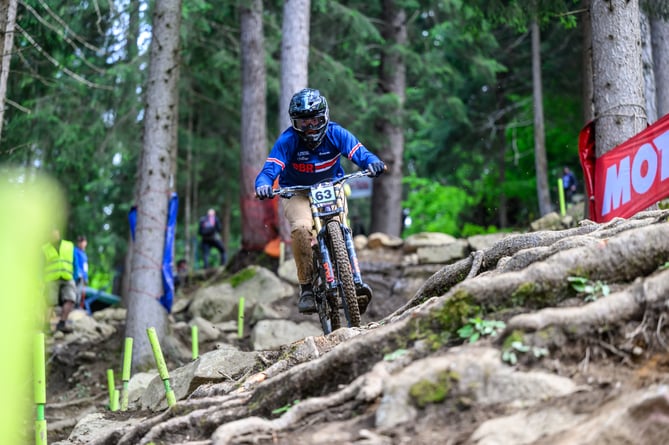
(125, 376)
(563, 210)
(162, 367)
(240, 318)
(111, 386)
(194, 342)
(40, 389)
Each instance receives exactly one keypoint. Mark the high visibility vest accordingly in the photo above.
(59, 264)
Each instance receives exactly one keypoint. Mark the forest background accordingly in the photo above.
(75, 108)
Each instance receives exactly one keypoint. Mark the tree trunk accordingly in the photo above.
(387, 192)
(499, 145)
(294, 72)
(255, 233)
(647, 66)
(660, 42)
(188, 199)
(618, 78)
(131, 51)
(586, 63)
(160, 125)
(540, 163)
(7, 25)
(294, 55)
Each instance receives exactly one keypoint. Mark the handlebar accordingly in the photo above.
(292, 189)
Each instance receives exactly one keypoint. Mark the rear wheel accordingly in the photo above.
(342, 269)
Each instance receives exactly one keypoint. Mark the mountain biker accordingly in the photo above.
(306, 153)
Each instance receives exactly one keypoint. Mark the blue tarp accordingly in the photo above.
(168, 261)
(167, 266)
(99, 298)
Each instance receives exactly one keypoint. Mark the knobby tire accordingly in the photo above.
(342, 269)
(328, 307)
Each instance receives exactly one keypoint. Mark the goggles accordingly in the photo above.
(309, 123)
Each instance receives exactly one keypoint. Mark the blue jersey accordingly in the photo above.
(295, 164)
(80, 265)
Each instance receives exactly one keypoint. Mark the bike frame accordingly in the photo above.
(322, 214)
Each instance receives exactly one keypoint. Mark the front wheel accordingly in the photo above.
(342, 270)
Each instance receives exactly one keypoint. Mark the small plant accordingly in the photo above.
(665, 266)
(591, 289)
(477, 328)
(285, 407)
(510, 355)
(394, 355)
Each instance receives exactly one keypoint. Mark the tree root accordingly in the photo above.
(181, 410)
(616, 307)
(523, 244)
(619, 259)
(362, 390)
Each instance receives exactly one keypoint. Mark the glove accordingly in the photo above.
(376, 168)
(264, 192)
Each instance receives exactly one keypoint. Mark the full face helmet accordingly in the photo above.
(310, 115)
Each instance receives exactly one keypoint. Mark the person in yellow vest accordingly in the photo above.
(59, 277)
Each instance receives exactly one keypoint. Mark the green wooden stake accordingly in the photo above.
(162, 367)
(563, 210)
(40, 390)
(282, 253)
(111, 386)
(240, 318)
(194, 342)
(125, 376)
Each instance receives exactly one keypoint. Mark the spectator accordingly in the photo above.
(81, 271)
(59, 277)
(210, 233)
(182, 273)
(568, 184)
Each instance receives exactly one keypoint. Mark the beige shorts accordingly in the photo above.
(60, 291)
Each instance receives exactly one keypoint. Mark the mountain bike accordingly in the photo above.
(336, 281)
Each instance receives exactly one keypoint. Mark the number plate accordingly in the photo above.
(323, 193)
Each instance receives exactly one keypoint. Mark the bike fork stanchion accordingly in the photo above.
(327, 263)
(353, 257)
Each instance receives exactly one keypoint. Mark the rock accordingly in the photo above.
(207, 331)
(219, 302)
(550, 221)
(476, 372)
(93, 428)
(378, 239)
(426, 239)
(214, 366)
(288, 271)
(270, 334)
(443, 254)
(483, 242)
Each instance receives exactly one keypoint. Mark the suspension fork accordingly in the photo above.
(352, 256)
(326, 262)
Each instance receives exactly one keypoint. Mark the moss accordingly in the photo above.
(455, 311)
(426, 391)
(523, 293)
(515, 336)
(242, 276)
(443, 323)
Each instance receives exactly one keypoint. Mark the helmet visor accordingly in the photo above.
(306, 124)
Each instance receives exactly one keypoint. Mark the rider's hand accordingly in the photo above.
(376, 168)
(264, 192)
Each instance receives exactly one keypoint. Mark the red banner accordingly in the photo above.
(631, 177)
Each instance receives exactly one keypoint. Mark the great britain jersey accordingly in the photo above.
(295, 164)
